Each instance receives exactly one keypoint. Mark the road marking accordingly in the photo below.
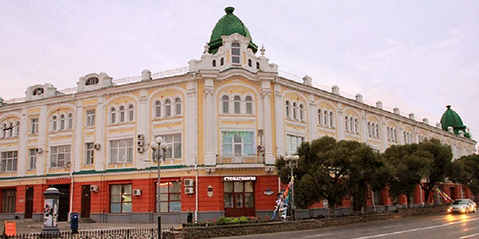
(390, 226)
(416, 229)
(468, 236)
(319, 235)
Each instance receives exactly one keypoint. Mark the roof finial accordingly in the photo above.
(262, 50)
(448, 106)
(229, 10)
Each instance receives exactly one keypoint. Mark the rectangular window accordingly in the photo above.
(174, 146)
(120, 198)
(90, 118)
(121, 151)
(60, 156)
(34, 126)
(9, 161)
(239, 195)
(170, 197)
(292, 143)
(89, 153)
(238, 143)
(8, 200)
(235, 53)
(32, 159)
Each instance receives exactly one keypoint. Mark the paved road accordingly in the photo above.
(438, 226)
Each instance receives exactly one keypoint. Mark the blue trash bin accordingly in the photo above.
(74, 222)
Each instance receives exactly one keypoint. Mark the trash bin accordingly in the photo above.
(74, 222)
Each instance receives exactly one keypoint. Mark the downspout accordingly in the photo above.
(72, 169)
(196, 190)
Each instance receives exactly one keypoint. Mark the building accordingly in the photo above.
(226, 118)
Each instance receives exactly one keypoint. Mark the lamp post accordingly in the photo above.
(157, 156)
(291, 161)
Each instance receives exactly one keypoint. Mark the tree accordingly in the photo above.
(406, 170)
(439, 158)
(412, 163)
(466, 172)
(327, 169)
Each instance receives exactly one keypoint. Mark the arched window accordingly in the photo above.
(237, 104)
(112, 115)
(377, 131)
(213, 63)
(225, 102)
(167, 108)
(92, 81)
(62, 122)
(331, 119)
(301, 112)
(250, 63)
(54, 123)
(287, 109)
(70, 121)
(395, 136)
(356, 126)
(249, 105)
(369, 129)
(222, 61)
(131, 113)
(158, 109)
(235, 53)
(17, 129)
(326, 118)
(10, 130)
(346, 123)
(320, 117)
(122, 114)
(178, 106)
(295, 116)
(4, 128)
(257, 65)
(351, 124)
(38, 91)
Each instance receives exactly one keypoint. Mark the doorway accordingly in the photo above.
(29, 202)
(85, 201)
(239, 198)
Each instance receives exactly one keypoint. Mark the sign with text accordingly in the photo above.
(10, 229)
(240, 178)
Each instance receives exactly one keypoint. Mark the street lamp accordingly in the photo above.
(158, 155)
(291, 161)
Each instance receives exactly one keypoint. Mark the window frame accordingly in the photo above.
(89, 154)
(9, 161)
(116, 151)
(125, 201)
(32, 159)
(63, 151)
(170, 194)
(90, 118)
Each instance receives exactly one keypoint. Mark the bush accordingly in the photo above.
(223, 220)
(243, 219)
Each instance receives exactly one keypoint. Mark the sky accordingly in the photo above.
(418, 56)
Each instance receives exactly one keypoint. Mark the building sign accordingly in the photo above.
(250, 178)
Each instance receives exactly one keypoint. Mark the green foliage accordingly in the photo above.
(466, 171)
(330, 169)
(243, 219)
(429, 160)
(224, 220)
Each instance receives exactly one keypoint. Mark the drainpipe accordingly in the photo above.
(196, 190)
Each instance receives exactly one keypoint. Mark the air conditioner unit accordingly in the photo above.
(136, 192)
(93, 188)
(189, 190)
(38, 150)
(97, 146)
(141, 140)
(140, 149)
(260, 148)
(189, 182)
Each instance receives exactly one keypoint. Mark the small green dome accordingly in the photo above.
(228, 25)
(451, 119)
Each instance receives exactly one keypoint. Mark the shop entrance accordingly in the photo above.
(29, 202)
(239, 198)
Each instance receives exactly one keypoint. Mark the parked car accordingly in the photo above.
(464, 205)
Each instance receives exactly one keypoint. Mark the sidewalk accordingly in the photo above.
(25, 226)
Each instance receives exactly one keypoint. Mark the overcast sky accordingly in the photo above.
(418, 56)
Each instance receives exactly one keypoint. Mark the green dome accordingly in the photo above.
(451, 119)
(228, 25)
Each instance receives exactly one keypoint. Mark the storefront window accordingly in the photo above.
(120, 198)
(170, 197)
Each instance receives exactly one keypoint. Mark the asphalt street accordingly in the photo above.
(459, 226)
